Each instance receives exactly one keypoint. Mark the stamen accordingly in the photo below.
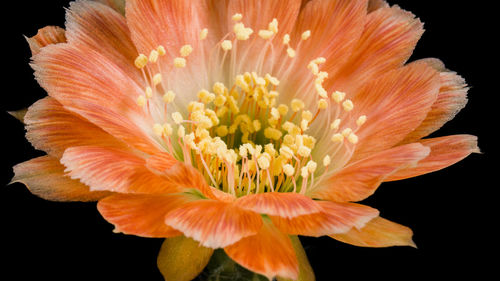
(141, 61)
(203, 34)
(226, 45)
(180, 62)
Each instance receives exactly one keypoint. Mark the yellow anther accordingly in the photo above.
(286, 152)
(311, 166)
(319, 60)
(141, 61)
(304, 125)
(141, 101)
(287, 126)
(202, 133)
(168, 97)
(242, 32)
(304, 172)
(286, 39)
(326, 161)
(273, 80)
(256, 125)
(307, 115)
(161, 50)
(153, 56)
(157, 79)
(180, 62)
(272, 133)
(219, 88)
(361, 120)
(233, 105)
(290, 52)
(260, 81)
(304, 151)
(167, 129)
(269, 148)
(226, 45)
(205, 96)
(335, 124)
(320, 77)
(222, 111)
(158, 129)
(338, 96)
(275, 113)
(243, 152)
(346, 132)
(288, 170)
(148, 92)
(313, 67)
(177, 117)
(263, 161)
(321, 91)
(237, 17)
(220, 100)
(273, 26)
(347, 105)
(240, 82)
(265, 34)
(297, 105)
(195, 106)
(203, 34)
(181, 131)
(309, 141)
(322, 104)
(337, 138)
(288, 140)
(352, 138)
(186, 50)
(283, 109)
(306, 34)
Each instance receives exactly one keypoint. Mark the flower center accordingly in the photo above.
(237, 135)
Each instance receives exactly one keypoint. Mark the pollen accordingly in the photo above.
(338, 97)
(306, 34)
(203, 34)
(237, 17)
(186, 50)
(180, 62)
(226, 45)
(286, 39)
(273, 26)
(265, 34)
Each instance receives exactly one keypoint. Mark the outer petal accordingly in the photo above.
(86, 82)
(334, 218)
(388, 40)
(306, 272)
(44, 176)
(182, 258)
(114, 170)
(52, 128)
(215, 224)
(360, 179)
(161, 162)
(269, 252)
(376, 4)
(445, 151)
(378, 232)
(118, 5)
(142, 215)
(46, 36)
(395, 104)
(287, 205)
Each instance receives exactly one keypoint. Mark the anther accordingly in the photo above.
(161, 50)
(177, 117)
(141, 61)
(286, 39)
(203, 34)
(348, 105)
(237, 17)
(153, 56)
(157, 79)
(180, 62)
(226, 45)
(149, 92)
(306, 34)
(168, 97)
(326, 161)
(265, 34)
(335, 124)
(361, 120)
(290, 52)
(338, 96)
(273, 26)
(186, 50)
(141, 101)
(337, 137)
(322, 104)
(352, 138)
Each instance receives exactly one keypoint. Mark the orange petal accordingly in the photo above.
(46, 36)
(306, 272)
(396, 103)
(451, 99)
(141, 214)
(269, 252)
(378, 232)
(87, 83)
(183, 175)
(445, 151)
(287, 205)
(52, 128)
(360, 179)
(114, 170)
(161, 162)
(215, 224)
(102, 29)
(388, 40)
(44, 176)
(334, 218)
(376, 4)
(118, 5)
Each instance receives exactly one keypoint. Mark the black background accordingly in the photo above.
(450, 211)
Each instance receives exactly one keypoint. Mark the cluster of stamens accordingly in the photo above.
(238, 136)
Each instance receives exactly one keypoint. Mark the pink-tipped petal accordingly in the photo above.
(214, 224)
(52, 128)
(141, 214)
(379, 232)
(114, 169)
(44, 176)
(360, 179)
(333, 218)
(445, 151)
(286, 205)
(46, 36)
(269, 252)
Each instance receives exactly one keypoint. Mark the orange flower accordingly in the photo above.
(238, 123)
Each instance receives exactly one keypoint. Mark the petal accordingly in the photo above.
(44, 176)
(87, 83)
(182, 258)
(19, 114)
(378, 232)
(269, 252)
(214, 224)
(388, 40)
(118, 5)
(102, 29)
(360, 179)
(114, 170)
(445, 151)
(52, 128)
(141, 214)
(451, 99)
(46, 36)
(161, 162)
(376, 4)
(395, 104)
(182, 175)
(306, 272)
(287, 205)
(334, 218)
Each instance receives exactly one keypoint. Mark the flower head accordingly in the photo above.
(239, 131)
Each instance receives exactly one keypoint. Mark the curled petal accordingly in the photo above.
(46, 36)
(214, 224)
(379, 232)
(44, 176)
(287, 205)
